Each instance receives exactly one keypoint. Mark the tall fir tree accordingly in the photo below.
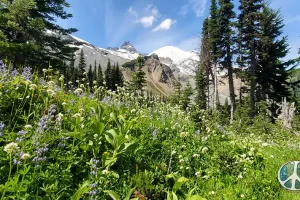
(90, 77)
(81, 66)
(119, 76)
(108, 75)
(30, 34)
(226, 45)
(99, 76)
(202, 71)
(272, 72)
(250, 30)
(138, 78)
(186, 95)
(213, 41)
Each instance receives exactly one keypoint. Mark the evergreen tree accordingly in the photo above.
(226, 16)
(113, 78)
(81, 66)
(99, 76)
(119, 76)
(213, 41)
(90, 77)
(29, 32)
(108, 73)
(73, 75)
(95, 72)
(186, 96)
(138, 78)
(249, 27)
(177, 93)
(272, 72)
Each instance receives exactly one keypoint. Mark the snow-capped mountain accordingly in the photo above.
(174, 57)
(126, 51)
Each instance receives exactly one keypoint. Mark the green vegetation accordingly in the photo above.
(68, 133)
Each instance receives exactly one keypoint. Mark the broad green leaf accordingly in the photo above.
(112, 194)
(179, 183)
(174, 196)
(84, 188)
(129, 194)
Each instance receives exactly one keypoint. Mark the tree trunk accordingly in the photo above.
(216, 87)
(253, 80)
(231, 84)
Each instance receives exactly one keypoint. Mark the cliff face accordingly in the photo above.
(160, 78)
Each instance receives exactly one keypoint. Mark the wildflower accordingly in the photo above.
(251, 149)
(198, 174)
(240, 176)
(181, 167)
(26, 73)
(204, 149)
(78, 91)
(25, 156)
(180, 156)
(181, 161)
(11, 147)
(94, 82)
(81, 85)
(84, 73)
(173, 152)
(243, 155)
(28, 126)
(187, 168)
(83, 79)
(1, 128)
(77, 115)
(93, 185)
(77, 81)
(198, 132)
(93, 192)
(61, 78)
(271, 156)
(22, 132)
(16, 162)
(32, 86)
(212, 192)
(155, 133)
(196, 155)
(242, 196)
(64, 103)
(44, 70)
(264, 144)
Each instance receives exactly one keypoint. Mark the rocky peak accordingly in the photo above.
(127, 46)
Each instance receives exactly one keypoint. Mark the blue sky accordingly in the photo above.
(151, 24)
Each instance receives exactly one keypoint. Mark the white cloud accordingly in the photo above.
(165, 25)
(199, 6)
(147, 16)
(147, 21)
(190, 44)
(183, 11)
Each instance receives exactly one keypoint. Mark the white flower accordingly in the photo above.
(271, 156)
(25, 156)
(173, 152)
(264, 144)
(187, 168)
(70, 82)
(77, 81)
(181, 167)
(204, 149)
(180, 156)
(77, 115)
(105, 171)
(95, 82)
(243, 155)
(198, 174)
(212, 192)
(133, 111)
(83, 79)
(240, 176)
(27, 97)
(251, 149)
(64, 103)
(44, 70)
(181, 161)
(32, 86)
(11, 147)
(242, 196)
(61, 78)
(28, 126)
(183, 146)
(81, 85)
(84, 73)
(59, 115)
(205, 176)
(196, 155)
(78, 91)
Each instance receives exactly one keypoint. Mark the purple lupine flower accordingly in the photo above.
(16, 162)
(1, 127)
(20, 139)
(93, 185)
(155, 133)
(14, 73)
(26, 73)
(22, 132)
(43, 82)
(93, 192)
(40, 154)
(60, 145)
(94, 167)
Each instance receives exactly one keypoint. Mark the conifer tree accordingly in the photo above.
(99, 76)
(30, 34)
(90, 76)
(186, 95)
(108, 77)
(113, 78)
(138, 78)
(95, 72)
(272, 73)
(213, 41)
(226, 44)
(250, 29)
(81, 66)
(119, 76)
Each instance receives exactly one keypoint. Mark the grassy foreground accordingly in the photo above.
(113, 145)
